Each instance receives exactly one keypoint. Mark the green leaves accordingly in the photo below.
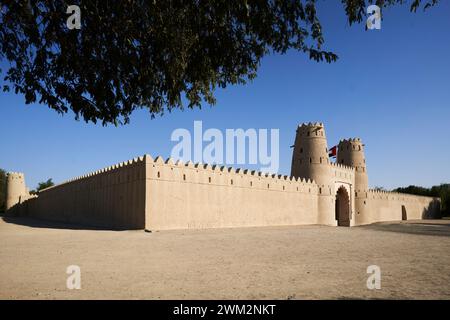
(441, 191)
(151, 54)
(45, 185)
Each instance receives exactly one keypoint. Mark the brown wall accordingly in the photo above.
(387, 206)
(184, 196)
(158, 195)
(110, 198)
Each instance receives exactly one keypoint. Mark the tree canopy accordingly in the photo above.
(442, 191)
(44, 185)
(131, 54)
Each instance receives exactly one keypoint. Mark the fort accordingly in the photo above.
(153, 194)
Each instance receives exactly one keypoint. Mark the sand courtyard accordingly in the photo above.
(304, 262)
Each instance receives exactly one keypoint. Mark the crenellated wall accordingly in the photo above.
(392, 206)
(161, 195)
(351, 154)
(113, 197)
(343, 173)
(187, 196)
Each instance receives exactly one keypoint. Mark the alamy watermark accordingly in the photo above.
(74, 20)
(374, 280)
(374, 19)
(235, 146)
(74, 279)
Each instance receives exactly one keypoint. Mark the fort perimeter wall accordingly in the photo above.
(392, 206)
(188, 196)
(163, 195)
(113, 197)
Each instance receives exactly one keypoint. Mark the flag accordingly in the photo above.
(332, 153)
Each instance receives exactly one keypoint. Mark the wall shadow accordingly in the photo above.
(433, 211)
(42, 223)
(417, 228)
(361, 299)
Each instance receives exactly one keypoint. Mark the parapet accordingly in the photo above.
(309, 128)
(311, 125)
(351, 142)
(101, 171)
(200, 168)
(389, 195)
(15, 175)
(342, 167)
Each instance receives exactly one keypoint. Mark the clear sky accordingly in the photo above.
(390, 87)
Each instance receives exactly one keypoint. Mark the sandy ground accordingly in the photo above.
(307, 262)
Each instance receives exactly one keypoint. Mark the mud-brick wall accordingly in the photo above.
(388, 206)
(112, 198)
(187, 196)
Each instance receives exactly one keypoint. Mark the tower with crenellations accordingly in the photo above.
(351, 153)
(158, 194)
(310, 160)
(16, 190)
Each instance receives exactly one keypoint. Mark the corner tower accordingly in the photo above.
(351, 153)
(16, 191)
(310, 160)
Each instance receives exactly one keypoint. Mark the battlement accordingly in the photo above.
(355, 143)
(342, 167)
(15, 175)
(99, 172)
(200, 169)
(382, 194)
(311, 129)
(351, 140)
(161, 194)
(230, 172)
(311, 125)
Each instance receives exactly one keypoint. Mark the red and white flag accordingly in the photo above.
(332, 153)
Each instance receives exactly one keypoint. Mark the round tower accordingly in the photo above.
(310, 160)
(16, 191)
(310, 157)
(351, 153)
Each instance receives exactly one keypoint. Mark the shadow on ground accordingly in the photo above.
(437, 228)
(40, 223)
(361, 299)
(419, 227)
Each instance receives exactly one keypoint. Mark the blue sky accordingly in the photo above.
(390, 87)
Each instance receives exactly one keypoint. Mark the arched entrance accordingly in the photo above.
(404, 214)
(343, 207)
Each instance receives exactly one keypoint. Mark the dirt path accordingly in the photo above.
(308, 262)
